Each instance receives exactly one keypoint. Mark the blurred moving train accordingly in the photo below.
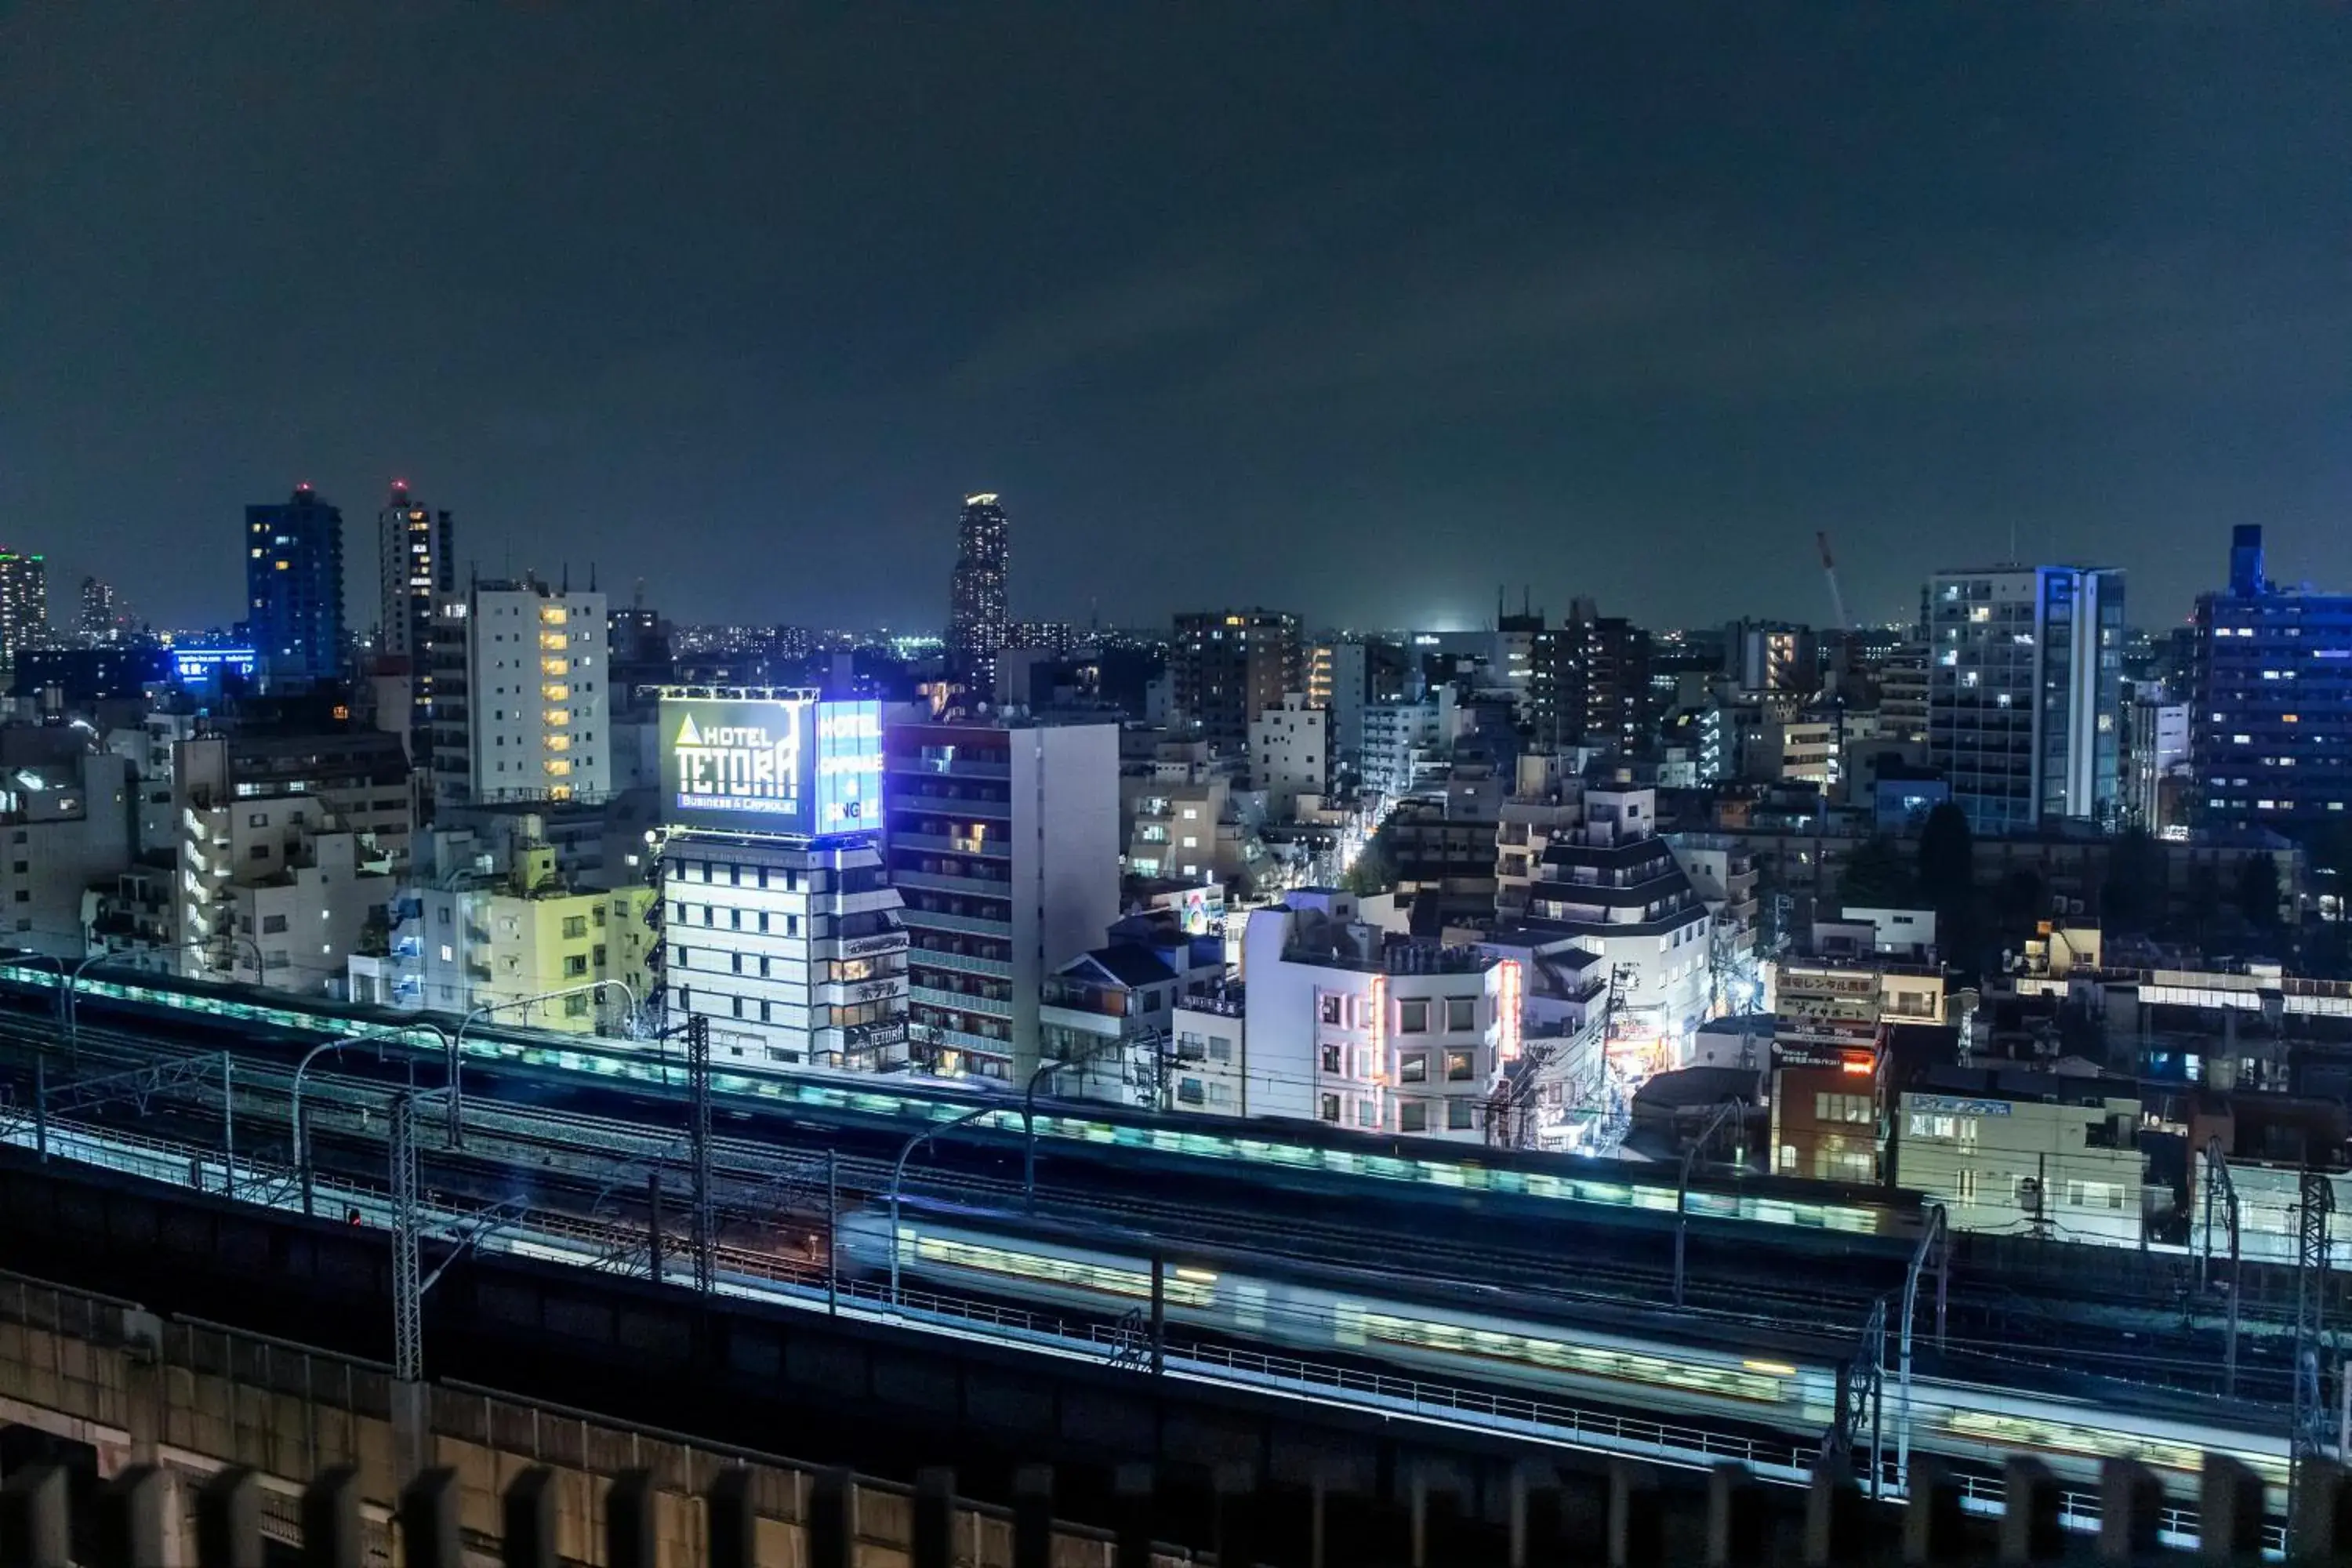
(1786, 1383)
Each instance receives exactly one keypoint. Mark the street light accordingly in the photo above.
(457, 1043)
(302, 1130)
(73, 999)
(59, 965)
(898, 1173)
(1029, 1108)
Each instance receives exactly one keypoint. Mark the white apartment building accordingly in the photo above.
(287, 850)
(1406, 743)
(66, 825)
(1185, 826)
(1614, 886)
(1290, 754)
(1549, 798)
(522, 714)
(1348, 1027)
(1338, 680)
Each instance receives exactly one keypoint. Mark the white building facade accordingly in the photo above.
(1290, 754)
(536, 695)
(1346, 1026)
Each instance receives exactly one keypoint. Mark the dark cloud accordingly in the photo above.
(1363, 309)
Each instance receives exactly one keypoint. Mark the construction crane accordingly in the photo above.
(1829, 569)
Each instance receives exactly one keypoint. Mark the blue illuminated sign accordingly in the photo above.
(210, 664)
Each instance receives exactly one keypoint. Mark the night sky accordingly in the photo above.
(1355, 310)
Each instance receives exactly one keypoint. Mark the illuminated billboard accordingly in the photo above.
(791, 766)
(206, 665)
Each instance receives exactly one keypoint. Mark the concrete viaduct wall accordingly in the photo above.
(136, 1385)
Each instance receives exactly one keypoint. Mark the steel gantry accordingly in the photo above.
(139, 1085)
(456, 1043)
(407, 1290)
(1723, 1113)
(2309, 1437)
(2220, 1191)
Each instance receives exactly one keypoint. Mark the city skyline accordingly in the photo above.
(1862, 273)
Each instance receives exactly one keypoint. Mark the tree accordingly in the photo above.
(2131, 899)
(1948, 853)
(2204, 902)
(2020, 900)
(2258, 891)
(1373, 872)
(1876, 876)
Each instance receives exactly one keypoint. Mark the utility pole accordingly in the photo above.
(698, 1077)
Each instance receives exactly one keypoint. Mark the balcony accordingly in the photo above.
(942, 882)
(972, 925)
(961, 963)
(951, 767)
(931, 996)
(959, 1040)
(951, 805)
(997, 847)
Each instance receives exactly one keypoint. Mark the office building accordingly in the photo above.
(2025, 690)
(1004, 843)
(779, 921)
(1290, 754)
(2024, 1154)
(24, 603)
(2272, 725)
(294, 587)
(977, 619)
(1356, 1028)
(521, 699)
(1232, 666)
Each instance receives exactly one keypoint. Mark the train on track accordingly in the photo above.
(1296, 1155)
(1626, 1361)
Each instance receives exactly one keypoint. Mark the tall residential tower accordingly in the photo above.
(977, 617)
(294, 587)
(419, 563)
(24, 603)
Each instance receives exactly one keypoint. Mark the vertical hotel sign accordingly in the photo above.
(791, 766)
